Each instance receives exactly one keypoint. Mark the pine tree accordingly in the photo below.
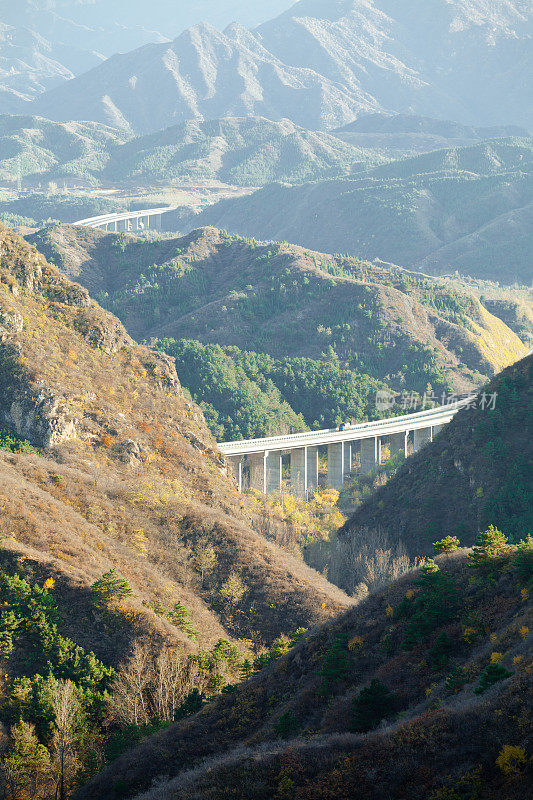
(26, 763)
(182, 619)
(373, 704)
(489, 551)
(110, 588)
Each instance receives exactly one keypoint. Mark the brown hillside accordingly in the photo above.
(291, 732)
(287, 301)
(126, 476)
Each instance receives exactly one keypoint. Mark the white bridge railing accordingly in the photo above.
(258, 462)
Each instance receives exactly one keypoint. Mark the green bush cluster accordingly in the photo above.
(29, 628)
(246, 394)
(178, 615)
(15, 444)
(434, 604)
(373, 704)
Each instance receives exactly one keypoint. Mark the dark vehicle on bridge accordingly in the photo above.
(344, 426)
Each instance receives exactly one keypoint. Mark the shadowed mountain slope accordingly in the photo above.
(477, 472)
(465, 209)
(399, 135)
(395, 699)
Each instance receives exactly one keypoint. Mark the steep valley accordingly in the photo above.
(318, 332)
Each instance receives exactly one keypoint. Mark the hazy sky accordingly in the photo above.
(171, 15)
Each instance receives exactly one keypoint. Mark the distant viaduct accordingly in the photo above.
(129, 221)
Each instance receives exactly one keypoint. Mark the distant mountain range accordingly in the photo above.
(398, 135)
(40, 150)
(244, 151)
(467, 209)
(46, 42)
(320, 64)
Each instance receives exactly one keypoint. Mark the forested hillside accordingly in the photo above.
(463, 209)
(239, 151)
(420, 693)
(39, 150)
(245, 394)
(476, 472)
(316, 316)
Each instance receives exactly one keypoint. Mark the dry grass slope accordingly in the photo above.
(291, 732)
(127, 476)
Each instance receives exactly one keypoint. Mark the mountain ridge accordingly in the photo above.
(127, 462)
(412, 211)
(321, 73)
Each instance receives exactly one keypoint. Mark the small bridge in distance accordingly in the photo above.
(129, 221)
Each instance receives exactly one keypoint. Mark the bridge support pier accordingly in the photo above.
(370, 454)
(398, 444)
(336, 465)
(422, 437)
(312, 469)
(257, 462)
(299, 467)
(347, 467)
(273, 471)
(304, 471)
(436, 429)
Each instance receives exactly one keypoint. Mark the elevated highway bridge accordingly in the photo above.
(129, 221)
(257, 463)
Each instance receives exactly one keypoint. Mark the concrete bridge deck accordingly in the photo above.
(257, 463)
(128, 221)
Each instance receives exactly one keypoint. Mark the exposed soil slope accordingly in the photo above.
(127, 474)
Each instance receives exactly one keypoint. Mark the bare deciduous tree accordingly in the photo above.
(129, 690)
(173, 678)
(66, 707)
(367, 556)
(204, 558)
(152, 684)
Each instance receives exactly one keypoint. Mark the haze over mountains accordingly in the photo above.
(467, 209)
(320, 64)
(45, 42)
(175, 623)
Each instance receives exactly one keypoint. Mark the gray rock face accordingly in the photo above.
(42, 418)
